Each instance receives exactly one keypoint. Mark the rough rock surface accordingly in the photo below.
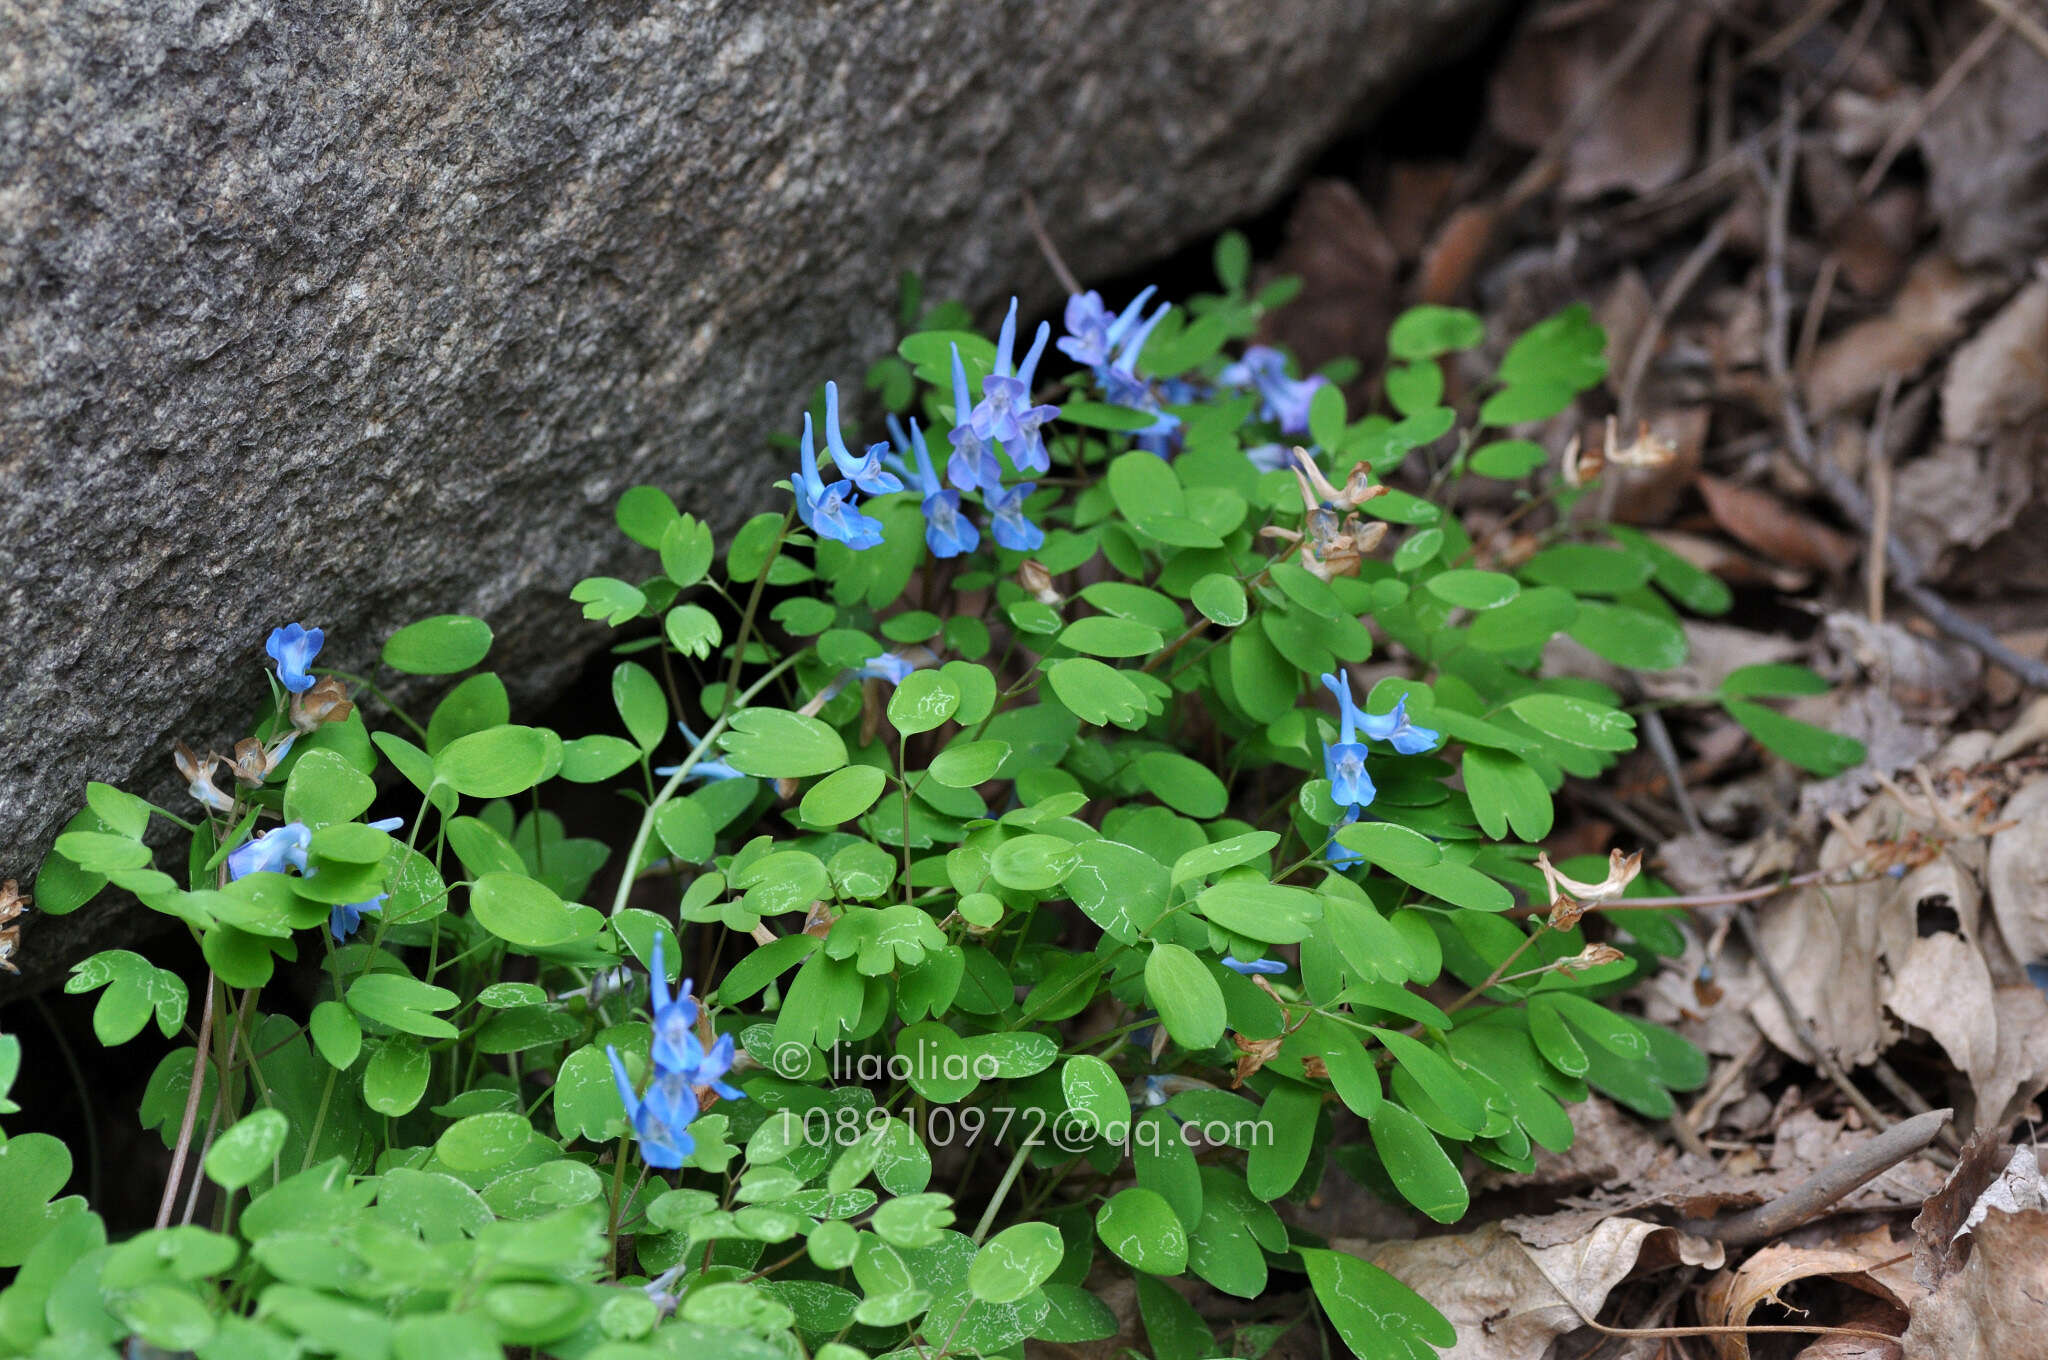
(357, 313)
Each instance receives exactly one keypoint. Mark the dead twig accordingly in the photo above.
(1667, 756)
(1906, 570)
(2023, 23)
(1668, 302)
(1937, 94)
(1813, 1196)
(1047, 248)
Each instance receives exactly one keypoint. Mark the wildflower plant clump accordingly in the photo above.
(1094, 817)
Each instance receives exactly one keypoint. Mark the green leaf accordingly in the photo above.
(1698, 590)
(965, 764)
(692, 630)
(1374, 1313)
(926, 699)
(1813, 749)
(521, 911)
(1232, 256)
(1140, 1227)
(1187, 786)
(1269, 912)
(644, 514)
(641, 704)
(1578, 721)
(686, 550)
(1416, 387)
(772, 743)
(336, 1035)
(1094, 1094)
(596, 758)
(1471, 589)
(1525, 622)
(1102, 635)
(1278, 1157)
(493, 764)
(842, 795)
(1095, 415)
(1417, 1164)
(1015, 1261)
(402, 1002)
(246, 1149)
(325, 788)
(1629, 637)
(1186, 995)
(33, 1168)
(1505, 792)
(608, 599)
(1427, 331)
(1034, 863)
(1096, 693)
(1220, 599)
(1771, 680)
(1389, 845)
(1586, 570)
(441, 645)
(135, 988)
(1326, 416)
(1508, 459)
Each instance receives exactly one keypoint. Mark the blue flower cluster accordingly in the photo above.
(1004, 417)
(661, 1115)
(286, 848)
(1344, 759)
(1109, 345)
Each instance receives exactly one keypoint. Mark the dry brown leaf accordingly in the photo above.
(1509, 1300)
(1868, 1263)
(1454, 255)
(1938, 1241)
(1960, 497)
(1999, 377)
(1347, 268)
(1929, 315)
(1415, 196)
(2016, 873)
(1994, 1305)
(1931, 679)
(1644, 136)
(1986, 149)
(1736, 568)
(1761, 521)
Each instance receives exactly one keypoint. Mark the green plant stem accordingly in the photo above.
(1002, 1191)
(629, 874)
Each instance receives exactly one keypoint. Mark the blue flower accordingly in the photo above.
(1344, 759)
(865, 472)
(946, 531)
(1005, 412)
(1007, 522)
(1394, 727)
(973, 464)
(714, 1064)
(829, 509)
(713, 770)
(293, 648)
(1270, 457)
(343, 921)
(1286, 400)
(1092, 333)
(1268, 966)
(676, 1046)
(1340, 857)
(888, 666)
(661, 1116)
(1121, 384)
(284, 848)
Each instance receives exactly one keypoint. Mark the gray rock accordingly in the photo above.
(358, 313)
